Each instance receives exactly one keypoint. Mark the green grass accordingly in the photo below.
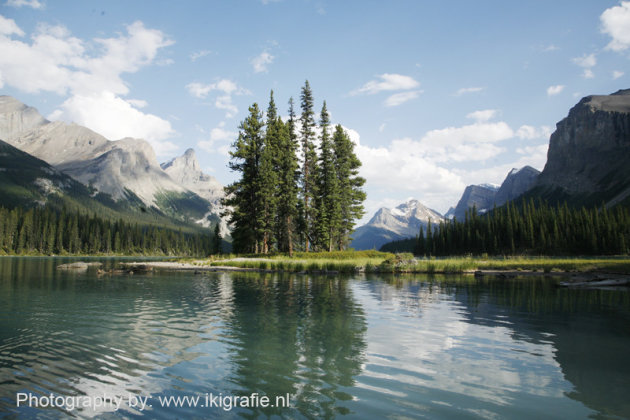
(374, 261)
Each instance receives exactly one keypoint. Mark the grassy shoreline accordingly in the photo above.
(380, 262)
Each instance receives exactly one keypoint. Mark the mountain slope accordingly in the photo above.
(28, 181)
(517, 182)
(185, 170)
(589, 153)
(479, 196)
(127, 169)
(389, 225)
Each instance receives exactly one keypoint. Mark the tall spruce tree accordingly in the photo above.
(242, 196)
(351, 196)
(328, 197)
(288, 182)
(309, 165)
(268, 177)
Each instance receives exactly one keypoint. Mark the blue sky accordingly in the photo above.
(437, 95)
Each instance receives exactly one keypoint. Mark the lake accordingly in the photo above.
(218, 345)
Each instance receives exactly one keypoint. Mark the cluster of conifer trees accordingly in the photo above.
(529, 228)
(45, 230)
(292, 194)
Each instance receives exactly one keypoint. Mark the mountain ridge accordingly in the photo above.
(386, 225)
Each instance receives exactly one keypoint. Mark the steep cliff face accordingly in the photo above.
(589, 153)
(480, 196)
(515, 184)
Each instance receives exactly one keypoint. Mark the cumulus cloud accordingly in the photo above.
(9, 27)
(35, 4)
(89, 74)
(464, 91)
(387, 82)
(402, 97)
(261, 61)
(615, 22)
(225, 87)
(116, 118)
(554, 90)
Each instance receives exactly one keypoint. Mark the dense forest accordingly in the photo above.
(45, 230)
(293, 194)
(526, 228)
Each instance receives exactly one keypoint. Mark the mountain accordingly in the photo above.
(185, 170)
(389, 225)
(589, 153)
(27, 181)
(517, 182)
(480, 196)
(485, 196)
(126, 169)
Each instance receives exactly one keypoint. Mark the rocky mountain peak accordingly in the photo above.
(15, 117)
(589, 153)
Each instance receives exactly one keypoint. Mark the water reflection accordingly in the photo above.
(512, 343)
(369, 347)
(296, 335)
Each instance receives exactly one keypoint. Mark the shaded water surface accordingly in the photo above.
(346, 347)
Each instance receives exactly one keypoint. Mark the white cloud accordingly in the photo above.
(116, 118)
(464, 91)
(228, 87)
(586, 61)
(528, 132)
(381, 127)
(35, 4)
(616, 23)
(387, 82)
(550, 48)
(401, 97)
(223, 101)
(482, 116)
(219, 140)
(89, 75)
(260, 62)
(554, 90)
(57, 62)
(617, 74)
(196, 55)
(9, 27)
(138, 103)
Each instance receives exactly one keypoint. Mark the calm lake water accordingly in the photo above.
(346, 347)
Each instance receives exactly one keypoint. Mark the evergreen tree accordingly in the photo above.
(242, 196)
(328, 206)
(288, 183)
(351, 195)
(309, 165)
(216, 240)
(268, 177)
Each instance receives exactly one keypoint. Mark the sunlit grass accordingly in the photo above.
(374, 261)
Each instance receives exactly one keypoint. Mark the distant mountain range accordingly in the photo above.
(485, 196)
(588, 163)
(389, 225)
(69, 163)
